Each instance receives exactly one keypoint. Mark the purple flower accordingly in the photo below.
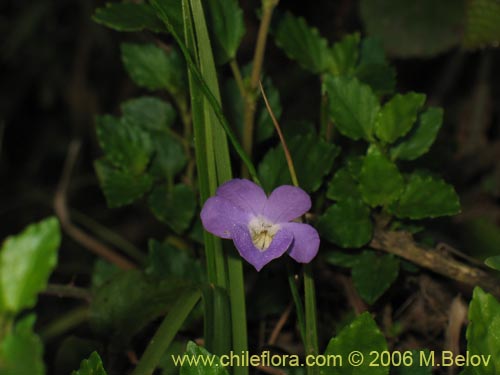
(260, 227)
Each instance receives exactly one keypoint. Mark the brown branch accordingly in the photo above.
(279, 325)
(68, 291)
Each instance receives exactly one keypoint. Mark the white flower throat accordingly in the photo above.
(262, 232)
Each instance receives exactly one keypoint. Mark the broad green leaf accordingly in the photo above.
(353, 106)
(362, 335)
(128, 17)
(153, 68)
(342, 259)
(482, 27)
(417, 366)
(398, 115)
(91, 366)
(21, 350)
(149, 113)
(380, 182)
(426, 196)
(421, 138)
(227, 27)
(120, 187)
(493, 262)
(171, 11)
(126, 145)
(347, 224)
(209, 364)
(345, 55)
(169, 157)
(174, 207)
(342, 186)
(373, 274)
(482, 333)
(303, 44)
(313, 159)
(414, 29)
(102, 272)
(26, 262)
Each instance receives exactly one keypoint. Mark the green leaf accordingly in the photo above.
(347, 224)
(126, 146)
(26, 262)
(211, 366)
(482, 27)
(153, 68)
(174, 207)
(426, 196)
(493, 262)
(171, 12)
(121, 187)
(373, 274)
(353, 106)
(343, 186)
(128, 17)
(303, 44)
(482, 332)
(169, 158)
(91, 366)
(361, 335)
(380, 180)
(398, 116)
(227, 27)
(149, 113)
(21, 350)
(313, 159)
(342, 259)
(421, 138)
(345, 55)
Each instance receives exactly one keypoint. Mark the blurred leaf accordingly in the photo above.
(303, 44)
(91, 366)
(373, 274)
(126, 145)
(346, 223)
(313, 159)
(417, 367)
(149, 113)
(70, 352)
(171, 11)
(493, 262)
(353, 106)
(167, 365)
(128, 17)
(345, 55)
(380, 180)
(174, 207)
(398, 115)
(26, 262)
(102, 272)
(227, 26)
(212, 367)
(342, 259)
(426, 196)
(361, 335)
(414, 29)
(21, 350)
(421, 138)
(169, 158)
(482, 27)
(121, 187)
(343, 186)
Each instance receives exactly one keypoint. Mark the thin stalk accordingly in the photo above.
(299, 307)
(65, 323)
(238, 78)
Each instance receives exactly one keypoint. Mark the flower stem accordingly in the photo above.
(238, 78)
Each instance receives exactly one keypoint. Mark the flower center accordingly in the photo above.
(262, 232)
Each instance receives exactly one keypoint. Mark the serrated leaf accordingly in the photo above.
(153, 68)
(347, 224)
(421, 138)
(169, 157)
(174, 207)
(426, 196)
(26, 262)
(171, 11)
(380, 182)
(361, 335)
(129, 17)
(345, 55)
(482, 332)
(149, 113)
(227, 27)
(21, 350)
(91, 366)
(493, 262)
(373, 274)
(313, 159)
(398, 115)
(482, 27)
(342, 186)
(211, 366)
(120, 187)
(353, 106)
(303, 44)
(126, 145)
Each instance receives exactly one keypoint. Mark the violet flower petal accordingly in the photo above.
(219, 216)
(257, 258)
(243, 194)
(305, 241)
(286, 203)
